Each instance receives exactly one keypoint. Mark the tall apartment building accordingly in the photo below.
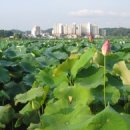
(95, 30)
(78, 30)
(36, 31)
(86, 28)
(65, 29)
(57, 29)
(75, 29)
(69, 29)
(90, 29)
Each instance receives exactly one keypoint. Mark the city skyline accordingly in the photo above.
(75, 30)
(24, 14)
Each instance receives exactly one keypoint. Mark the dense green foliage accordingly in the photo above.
(8, 33)
(59, 85)
(117, 32)
(4, 33)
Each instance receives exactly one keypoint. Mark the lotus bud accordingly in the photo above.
(90, 38)
(106, 48)
(70, 98)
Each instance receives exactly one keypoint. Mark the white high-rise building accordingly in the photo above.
(58, 29)
(85, 28)
(90, 29)
(95, 30)
(78, 29)
(36, 31)
(75, 29)
(65, 29)
(69, 29)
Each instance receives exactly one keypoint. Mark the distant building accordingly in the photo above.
(90, 29)
(95, 30)
(65, 29)
(57, 29)
(69, 29)
(36, 31)
(75, 29)
(85, 29)
(78, 30)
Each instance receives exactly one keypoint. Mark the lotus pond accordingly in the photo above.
(64, 84)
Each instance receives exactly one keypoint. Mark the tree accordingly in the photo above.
(17, 35)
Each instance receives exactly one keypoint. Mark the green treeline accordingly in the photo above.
(5, 33)
(109, 32)
(117, 31)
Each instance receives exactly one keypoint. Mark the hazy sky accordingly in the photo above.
(23, 14)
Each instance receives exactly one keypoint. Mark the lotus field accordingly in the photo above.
(65, 84)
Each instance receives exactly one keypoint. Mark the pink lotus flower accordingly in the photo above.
(90, 38)
(106, 48)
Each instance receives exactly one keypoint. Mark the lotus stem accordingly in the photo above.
(104, 89)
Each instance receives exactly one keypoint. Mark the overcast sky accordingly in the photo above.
(23, 14)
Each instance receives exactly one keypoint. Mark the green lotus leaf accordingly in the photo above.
(31, 94)
(80, 95)
(29, 79)
(66, 65)
(2, 125)
(112, 94)
(126, 47)
(115, 81)
(114, 58)
(4, 94)
(69, 98)
(92, 79)
(66, 119)
(20, 50)
(12, 88)
(27, 108)
(6, 114)
(10, 53)
(34, 127)
(106, 119)
(5, 63)
(27, 118)
(83, 61)
(60, 55)
(29, 113)
(98, 58)
(60, 73)
(123, 55)
(4, 75)
(44, 77)
(121, 70)
(27, 67)
(35, 104)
